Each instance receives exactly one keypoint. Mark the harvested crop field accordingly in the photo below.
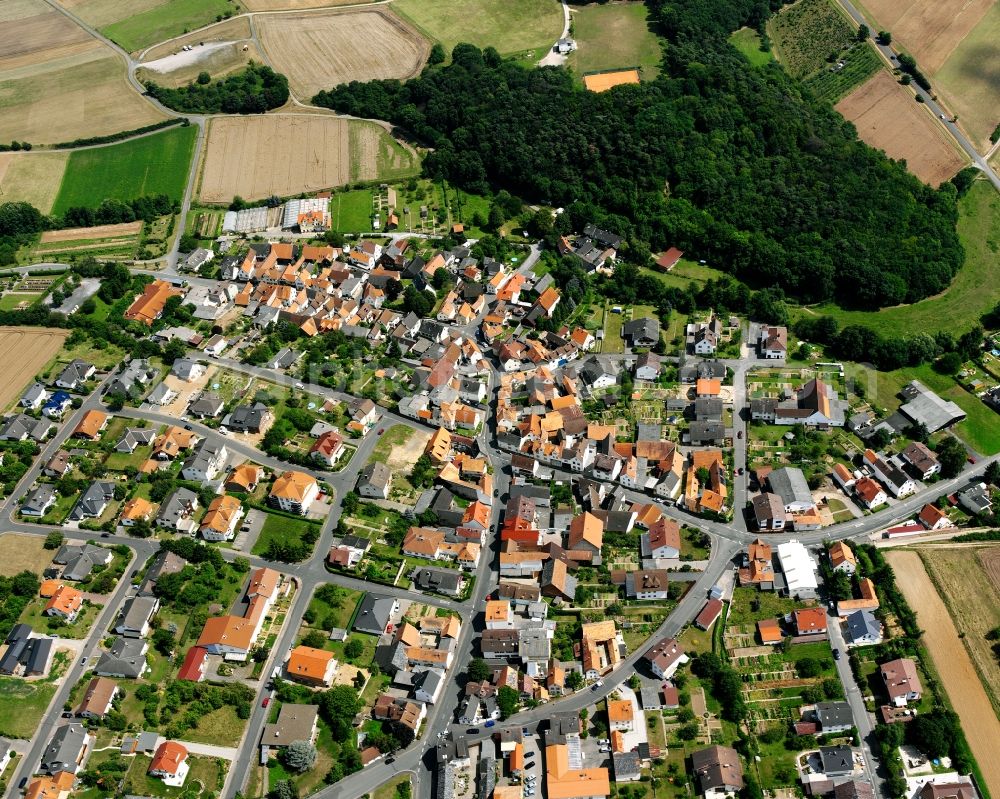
(606, 80)
(58, 83)
(297, 5)
(86, 233)
(32, 177)
(888, 118)
(23, 552)
(966, 692)
(929, 30)
(320, 50)
(965, 577)
(23, 353)
(969, 90)
(283, 155)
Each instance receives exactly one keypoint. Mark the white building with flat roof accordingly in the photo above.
(799, 569)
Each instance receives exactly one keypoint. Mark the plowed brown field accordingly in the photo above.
(23, 353)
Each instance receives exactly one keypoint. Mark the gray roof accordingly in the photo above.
(376, 474)
(789, 483)
(295, 723)
(136, 612)
(35, 393)
(627, 765)
(164, 562)
(38, 500)
(374, 614)
(64, 748)
(708, 409)
(207, 453)
(702, 431)
(94, 500)
(923, 406)
(175, 506)
(74, 373)
(183, 367)
(126, 657)
(861, 624)
(21, 426)
(247, 417)
(837, 759)
(208, 404)
(534, 644)
(80, 559)
(428, 680)
(160, 393)
(834, 714)
(642, 329)
(445, 581)
(135, 437)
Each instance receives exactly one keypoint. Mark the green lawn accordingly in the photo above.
(280, 528)
(33, 615)
(352, 211)
(974, 291)
(388, 789)
(980, 430)
(165, 21)
(221, 727)
(204, 771)
(685, 273)
(10, 301)
(326, 616)
(747, 41)
(768, 605)
(22, 705)
(614, 36)
(511, 26)
(397, 435)
(156, 164)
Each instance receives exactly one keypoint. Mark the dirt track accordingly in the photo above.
(89, 233)
(982, 728)
(23, 353)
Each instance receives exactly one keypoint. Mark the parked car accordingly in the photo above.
(472, 731)
(836, 654)
(266, 702)
(490, 723)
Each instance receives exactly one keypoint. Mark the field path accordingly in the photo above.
(982, 728)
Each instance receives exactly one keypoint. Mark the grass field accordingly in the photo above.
(32, 177)
(747, 41)
(973, 292)
(22, 705)
(686, 273)
(971, 92)
(962, 582)
(20, 552)
(140, 23)
(511, 26)
(860, 63)
(614, 36)
(9, 302)
(351, 211)
(282, 528)
(980, 430)
(156, 164)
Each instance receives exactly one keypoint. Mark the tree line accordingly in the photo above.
(738, 166)
(256, 89)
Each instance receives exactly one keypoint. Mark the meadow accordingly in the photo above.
(614, 36)
(140, 23)
(747, 41)
(973, 292)
(156, 164)
(511, 26)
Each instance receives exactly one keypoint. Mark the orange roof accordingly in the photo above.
(263, 582)
(91, 424)
(245, 475)
(620, 710)
(477, 512)
(228, 631)
(137, 508)
(49, 587)
(842, 472)
(169, 757)
(497, 610)
(931, 515)
(221, 513)
(617, 741)
(562, 782)
(603, 81)
(305, 661)
(707, 387)
(292, 485)
(517, 757)
(50, 787)
(841, 553)
(67, 600)
(549, 298)
(769, 631)
(408, 634)
(148, 306)
(586, 527)
(810, 620)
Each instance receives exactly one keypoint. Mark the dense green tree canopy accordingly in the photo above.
(253, 91)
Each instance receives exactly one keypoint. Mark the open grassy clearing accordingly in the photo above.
(58, 84)
(23, 552)
(962, 684)
(32, 178)
(320, 50)
(963, 583)
(22, 705)
(140, 23)
(747, 41)
(614, 36)
(888, 118)
(10, 302)
(156, 164)
(351, 211)
(511, 26)
(973, 292)
(970, 91)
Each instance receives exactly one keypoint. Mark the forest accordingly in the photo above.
(253, 91)
(738, 166)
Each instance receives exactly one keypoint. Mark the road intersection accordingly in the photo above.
(727, 541)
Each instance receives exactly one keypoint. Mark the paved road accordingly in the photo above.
(942, 115)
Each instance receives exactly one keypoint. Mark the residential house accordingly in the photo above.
(621, 715)
(64, 604)
(772, 343)
(221, 519)
(91, 425)
(136, 614)
(375, 613)
(769, 512)
(294, 723)
(148, 306)
(901, 681)
(440, 581)
(870, 493)
(79, 560)
(170, 764)
(842, 558)
(662, 540)
(75, 374)
(718, 770)
(809, 621)
(665, 657)
(21, 426)
(923, 461)
(647, 584)
(195, 665)
(136, 509)
(293, 492)
(256, 418)
(976, 500)
(891, 476)
(206, 461)
(93, 501)
(187, 369)
(57, 465)
(642, 332)
(758, 568)
(125, 658)
(328, 449)
(98, 698)
(206, 406)
(315, 667)
(177, 511)
(244, 479)
(708, 615)
(933, 518)
(375, 480)
(862, 628)
(39, 500)
(34, 397)
(133, 438)
(348, 551)
(57, 405)
(67, 750)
